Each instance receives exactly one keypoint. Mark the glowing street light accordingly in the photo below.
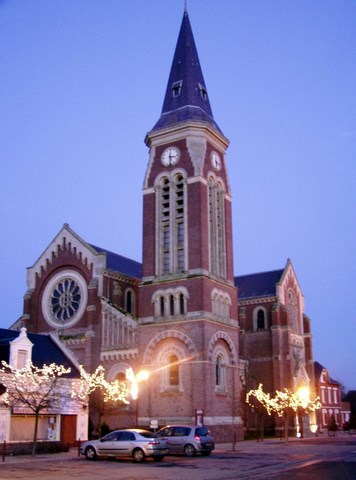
(135, 380)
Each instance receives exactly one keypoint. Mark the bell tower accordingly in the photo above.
(188, 302)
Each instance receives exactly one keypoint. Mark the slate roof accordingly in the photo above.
(44, 351)
(258, 284)
(121, 264)
(189, 100)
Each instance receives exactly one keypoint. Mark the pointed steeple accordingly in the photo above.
(186, 97)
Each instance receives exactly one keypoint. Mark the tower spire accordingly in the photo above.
(186, 97)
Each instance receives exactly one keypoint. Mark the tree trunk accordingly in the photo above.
(35, 435)
(286, 427)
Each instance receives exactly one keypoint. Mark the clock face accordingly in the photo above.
(170, 156)
(64, 299)
(215, 160)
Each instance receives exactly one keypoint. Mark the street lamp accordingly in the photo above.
(135, 380)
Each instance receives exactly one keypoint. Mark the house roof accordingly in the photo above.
(186, 95)
(318, 368)
(44, 351)
(258, 284)
(121, 264)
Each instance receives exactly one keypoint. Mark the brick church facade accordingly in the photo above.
(205, 335)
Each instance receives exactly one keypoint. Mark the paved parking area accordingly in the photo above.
(316, 458)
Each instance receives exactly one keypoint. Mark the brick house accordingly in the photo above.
(329, 392)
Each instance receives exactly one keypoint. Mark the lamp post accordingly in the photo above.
(135, 379)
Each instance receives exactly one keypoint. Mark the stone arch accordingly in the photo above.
(147, 357)
(226, 338)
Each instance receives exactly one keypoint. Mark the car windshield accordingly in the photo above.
(202, 431)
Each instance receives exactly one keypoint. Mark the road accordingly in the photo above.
(303, 459)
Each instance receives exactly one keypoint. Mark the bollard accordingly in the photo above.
(3, 451)
(79, 442)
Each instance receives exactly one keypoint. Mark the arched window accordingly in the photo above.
(217, 242)
(292, 309)
(181, 304)
(218, 371)
(171, 229)
(161, 303)
(171, 305)
(261, 325)
(173, 370)
(130, 301)
(260, 319)
(166, 227)
(179, 219)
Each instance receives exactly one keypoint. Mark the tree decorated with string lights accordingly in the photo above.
(103, 395)
(35, 389)
(284, 402)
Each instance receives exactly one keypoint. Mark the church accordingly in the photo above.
(205, 335)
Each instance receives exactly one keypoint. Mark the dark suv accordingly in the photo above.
(189, 440)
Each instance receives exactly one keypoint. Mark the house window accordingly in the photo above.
(323, 394)
(173, 371)
(329, 395)
(335, 395)
(21, 358)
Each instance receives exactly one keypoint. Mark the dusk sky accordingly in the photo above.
(83, 81)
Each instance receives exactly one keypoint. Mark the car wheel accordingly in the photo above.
(189, 450)
(206, 453)
(158, 458)
(90, 453)
(138, 455)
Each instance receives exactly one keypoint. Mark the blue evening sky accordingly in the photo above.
(82, 81)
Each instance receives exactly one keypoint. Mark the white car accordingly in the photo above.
(136, 443)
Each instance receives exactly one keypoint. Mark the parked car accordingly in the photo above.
(189, 440)
(135, 443)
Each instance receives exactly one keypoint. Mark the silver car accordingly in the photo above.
(189, 440)
(135, 443)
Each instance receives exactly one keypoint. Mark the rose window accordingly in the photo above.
(65, 300)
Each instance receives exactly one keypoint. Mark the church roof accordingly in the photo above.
(258, 284)
(44, 351)
(121, 264)
(186, 95)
